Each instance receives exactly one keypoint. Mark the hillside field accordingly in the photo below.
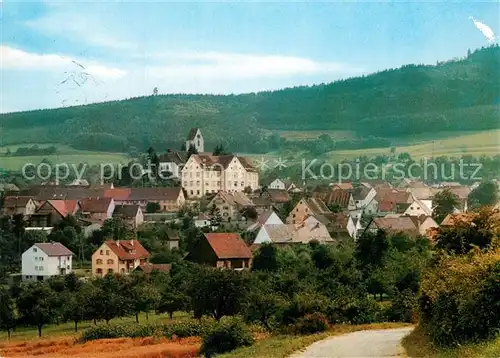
(476, 144)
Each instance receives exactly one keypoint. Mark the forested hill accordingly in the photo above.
(456, 95)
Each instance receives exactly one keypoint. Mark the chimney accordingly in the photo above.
(132, 243)
(117, 242)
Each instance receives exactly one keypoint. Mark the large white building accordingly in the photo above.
(204, 174)
(44, 260)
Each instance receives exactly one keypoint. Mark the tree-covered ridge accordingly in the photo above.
(461, 94)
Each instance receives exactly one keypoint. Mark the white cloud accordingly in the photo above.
(234, 66)
(16, 59)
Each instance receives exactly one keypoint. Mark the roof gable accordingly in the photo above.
(54, 249)
(228, 246)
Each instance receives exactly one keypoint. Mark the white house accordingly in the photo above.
(418, 208)
(44, 260)
(202, 220)
(283, 184)
(171, 163)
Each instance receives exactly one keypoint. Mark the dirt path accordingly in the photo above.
(377, 343)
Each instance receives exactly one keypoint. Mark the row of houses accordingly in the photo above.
(43, 206)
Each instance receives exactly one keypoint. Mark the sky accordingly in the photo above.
(56, 54)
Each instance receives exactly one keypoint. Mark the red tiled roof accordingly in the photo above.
(397, 224)
(148, 267)
(454, 219)
(228, 246)
(120, 194)
(95, 205)
(343, 186)
(63, 207)
(339, 196)
(128, 249)
(278, 195)
(54, 249)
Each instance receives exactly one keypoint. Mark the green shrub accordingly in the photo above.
(190, 328)
(228, 334)
(460, 299)
(302, 305)
(403, 308)
(103, 331)
(311, 323)
(354, 310)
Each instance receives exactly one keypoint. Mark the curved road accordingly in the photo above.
(377, 343)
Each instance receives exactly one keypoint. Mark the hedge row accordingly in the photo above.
(188, 328)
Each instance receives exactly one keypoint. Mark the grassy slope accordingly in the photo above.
(284, 345)
(479, 143)
(417, 344)
(65, 154)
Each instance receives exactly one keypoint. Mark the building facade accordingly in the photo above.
(44, 260)
(205, 174)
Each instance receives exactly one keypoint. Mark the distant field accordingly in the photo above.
(65, 154)
(476, 144)
(310, 135)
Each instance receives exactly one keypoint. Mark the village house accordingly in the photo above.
(97, 209)
(363, 197)
(24, 205)
(195, 139)
(131, 215)
(8, 188)
(308, 230)
(340, 225)
(263, 204)
(342, 186)
(266, 218)
(392, 201)
(230, 204)
(394, 225)
(202, 220)
(283, 184)
(276, 196)
(205, 174)
(342, 198)
(222, 250)
(44, 260)
(121, 256)
(51, 211)
(305, 208)
(418, 208)
(169, 199)
(171, 164)
(149, 268)
(458, 218)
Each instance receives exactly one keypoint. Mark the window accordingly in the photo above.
(101, 252)
(122, 270)
(36, 258)
(192, 192)
(40, 268)
(198, 192)
(36, 268)
(197, 174)
(34, 249)
(242, 183)
(99, 271)
(110, 270)
(110, 262)
(197, 182)
(107, 252)
(98, 261)
(68, 258)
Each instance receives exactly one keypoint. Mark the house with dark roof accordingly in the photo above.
(394, 225)
(24, 205)
(120, 256)
(8, 188)
(284, 184)
(97, 208)
(131, 215)
(51, 211)
(44, 260)
(342, 198)
(276, 196)
(169, 199)
(230, 204)
(222, 250)
(305, 208)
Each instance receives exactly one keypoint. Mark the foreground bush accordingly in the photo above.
(188, 328)
(460, 299)
(311, 323)
(226, 335)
